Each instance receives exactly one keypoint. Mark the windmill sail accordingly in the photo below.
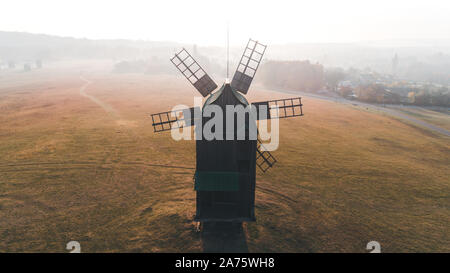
(282, 108)
(264, 159)
(166, 121)
(195, 74)
(248, 65)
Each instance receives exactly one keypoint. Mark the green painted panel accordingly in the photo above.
(216, 181)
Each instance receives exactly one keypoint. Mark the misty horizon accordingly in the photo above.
(205, 22)
(400, 42)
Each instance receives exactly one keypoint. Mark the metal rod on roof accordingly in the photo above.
(228, 49)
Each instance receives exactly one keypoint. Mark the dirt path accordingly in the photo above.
(108, 108)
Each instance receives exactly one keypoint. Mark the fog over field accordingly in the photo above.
(397, 71)
(377, 55)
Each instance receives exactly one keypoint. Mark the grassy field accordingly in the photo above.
(69, 170)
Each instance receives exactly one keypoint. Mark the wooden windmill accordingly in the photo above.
(226, 169)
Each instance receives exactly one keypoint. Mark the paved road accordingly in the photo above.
(388, 111)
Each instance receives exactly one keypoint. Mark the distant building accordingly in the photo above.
(391, 97)
(346, 83)
(395, 64)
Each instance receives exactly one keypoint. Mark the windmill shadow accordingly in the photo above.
(222, 237)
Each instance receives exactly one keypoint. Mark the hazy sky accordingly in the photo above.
(205, 22)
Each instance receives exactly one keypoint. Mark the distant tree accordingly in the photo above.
(345, 91)
(411, 97)
(371, 93)
(333, 77)
(422, 98)
(441, 99)
(293, 75)
(426, 97)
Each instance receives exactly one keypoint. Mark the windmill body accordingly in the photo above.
(225, 175)
(226, 169)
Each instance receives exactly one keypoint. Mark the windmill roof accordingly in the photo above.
(226, 95)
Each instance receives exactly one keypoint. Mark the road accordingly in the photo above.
(386, 110)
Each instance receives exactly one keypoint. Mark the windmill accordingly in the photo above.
(225, 175)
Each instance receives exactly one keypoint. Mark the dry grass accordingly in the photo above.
(71, 171)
